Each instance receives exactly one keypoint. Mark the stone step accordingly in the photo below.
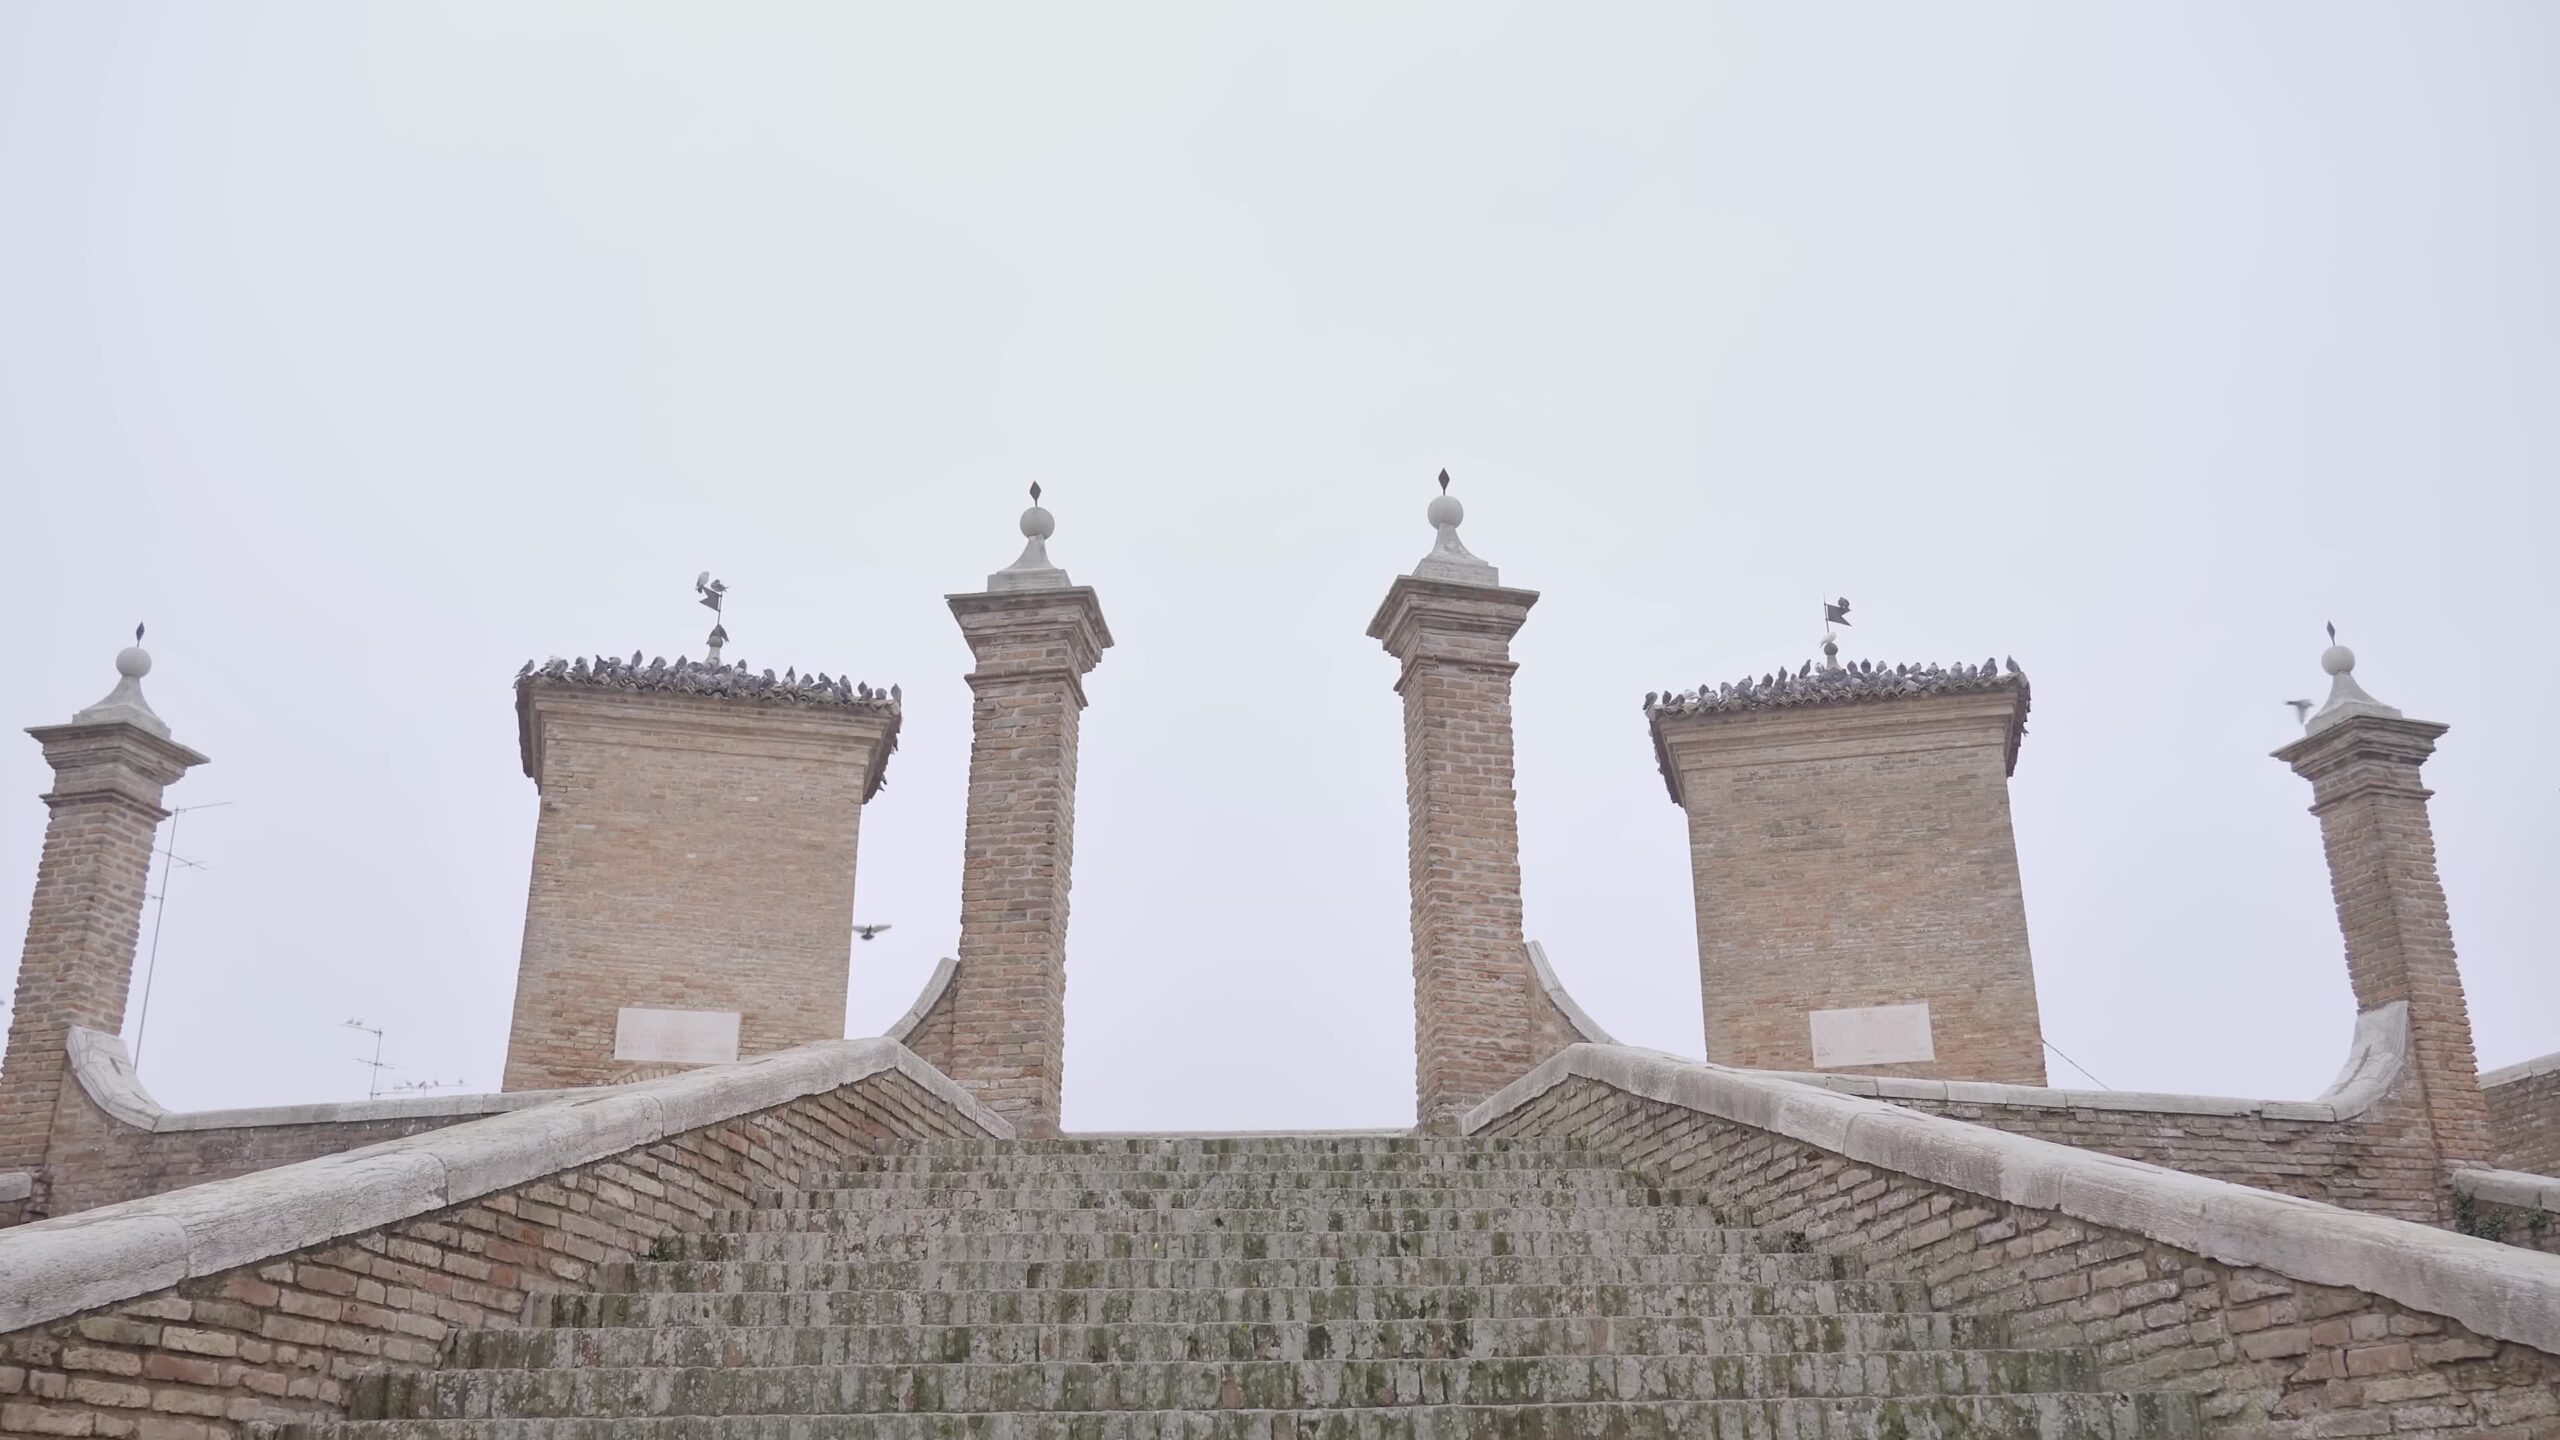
(740, 1275)
(1213, 1244)
(1989, 1417)
(1185, 1385)
(1803, 1299)
(711, 1344)
(1698, 1225)
(1014, 1151)
(1214, 1195)
(1298, 1177)
(1452, 1163)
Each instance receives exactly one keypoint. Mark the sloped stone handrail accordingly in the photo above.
(1574, 1015)
(117, 1252)
(2375, 1060)
(936, 986)
(105, 1071)
(2495, 1290)
(2512, 1188)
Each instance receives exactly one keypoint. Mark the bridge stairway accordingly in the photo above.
(1285, 1288)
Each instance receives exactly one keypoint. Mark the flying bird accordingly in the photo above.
(867, 931)
(2301, 711)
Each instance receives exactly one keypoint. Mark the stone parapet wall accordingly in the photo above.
(189, 1315)
(2524, 1114)
(2509, 1206)
(2287, 1318)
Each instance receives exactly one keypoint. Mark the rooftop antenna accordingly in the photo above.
(711, 592)
(170, 859)
(1834, 613)
(374, 1090)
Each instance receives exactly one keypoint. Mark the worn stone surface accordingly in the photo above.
(1474, 1026)
(202, 1353)
(693, 852)
(1852, 852)
(77, 966)
(2264, 1352)
(1342, 1286)
(1006, 1030)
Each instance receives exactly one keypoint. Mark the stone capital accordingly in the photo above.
(2363, 754)
(1451, 622)
(1686, 741)
(1053, 627)
(705, 724)
(111, 760)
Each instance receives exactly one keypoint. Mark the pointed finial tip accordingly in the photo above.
(1035, 492)
(137, 633)
(2333, 632)
(1444, 480)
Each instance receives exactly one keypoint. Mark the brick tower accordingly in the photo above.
(110, 765)
(1449, 624)
(692, 895)
(2362, 757)
(1857, 882)
(1035, 635)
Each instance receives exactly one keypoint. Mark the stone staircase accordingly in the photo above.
(1316, 1288)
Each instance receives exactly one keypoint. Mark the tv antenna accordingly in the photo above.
(373, 1091)
(170, 860)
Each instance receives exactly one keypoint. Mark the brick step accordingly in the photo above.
(1469, 1162)
(1806, 1299)
(1184, 1385)
(1011, 1151)
(1698, 1225)
(1213, 1244)
(1212, 1195)
(737, 1275)
(712, 1344)
(1991, 1417)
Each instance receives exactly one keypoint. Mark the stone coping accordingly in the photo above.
(725, 682)
(2522, 1070)
(2496, 1290)
(2510, 1187)
(97, 1257)
(2375, 1062)
(1574, 1015)
(106, 1074)
(936, 986)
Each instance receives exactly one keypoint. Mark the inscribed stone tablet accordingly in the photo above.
(676, 1037)
(1876, 1035)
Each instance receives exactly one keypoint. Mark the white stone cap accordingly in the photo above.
(2521, 1070)
(124, 704)
(1032, 571)
(2347, 699)
(1450, 559)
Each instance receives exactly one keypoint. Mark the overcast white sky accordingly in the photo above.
(367, 351)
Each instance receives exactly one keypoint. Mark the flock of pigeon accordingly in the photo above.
(1817, 684)
(696, 677)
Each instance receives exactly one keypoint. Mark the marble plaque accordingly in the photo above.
(1876, 1035)
(676, 1037)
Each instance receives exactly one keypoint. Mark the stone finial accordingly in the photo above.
(2347, 699)
(1449, 558)
(124, 704)
(1033, 570)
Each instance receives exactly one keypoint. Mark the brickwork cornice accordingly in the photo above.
(1450, 622)
(1689, 739)
(2364, 755)
(115, 759)
(862, 734)
(1033, 630)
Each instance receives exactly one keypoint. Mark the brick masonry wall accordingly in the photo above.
(204, 1358)
(2524, 1122)
(1853, 855)
(2381, 1162)
(2270, 1356)
(691, 853)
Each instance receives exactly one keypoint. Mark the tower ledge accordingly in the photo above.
(1863, 683)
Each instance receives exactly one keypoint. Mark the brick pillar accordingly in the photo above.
(2362, 759)
(1035, 636)
(691, 899)
(1859, 906)
(1449, 625)
(110, 765)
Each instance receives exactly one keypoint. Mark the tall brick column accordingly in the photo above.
(1859, 906)
(110, 765)
(1449, 625)
(1035, 635)
(2362, 757)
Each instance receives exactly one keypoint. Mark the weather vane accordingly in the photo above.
(712, 592)
(1834, 613)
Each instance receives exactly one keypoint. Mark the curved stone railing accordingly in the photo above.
(2492, 1290)
(79, 1262)
(936, 986)
(104, 1070)
(1569, 1022)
